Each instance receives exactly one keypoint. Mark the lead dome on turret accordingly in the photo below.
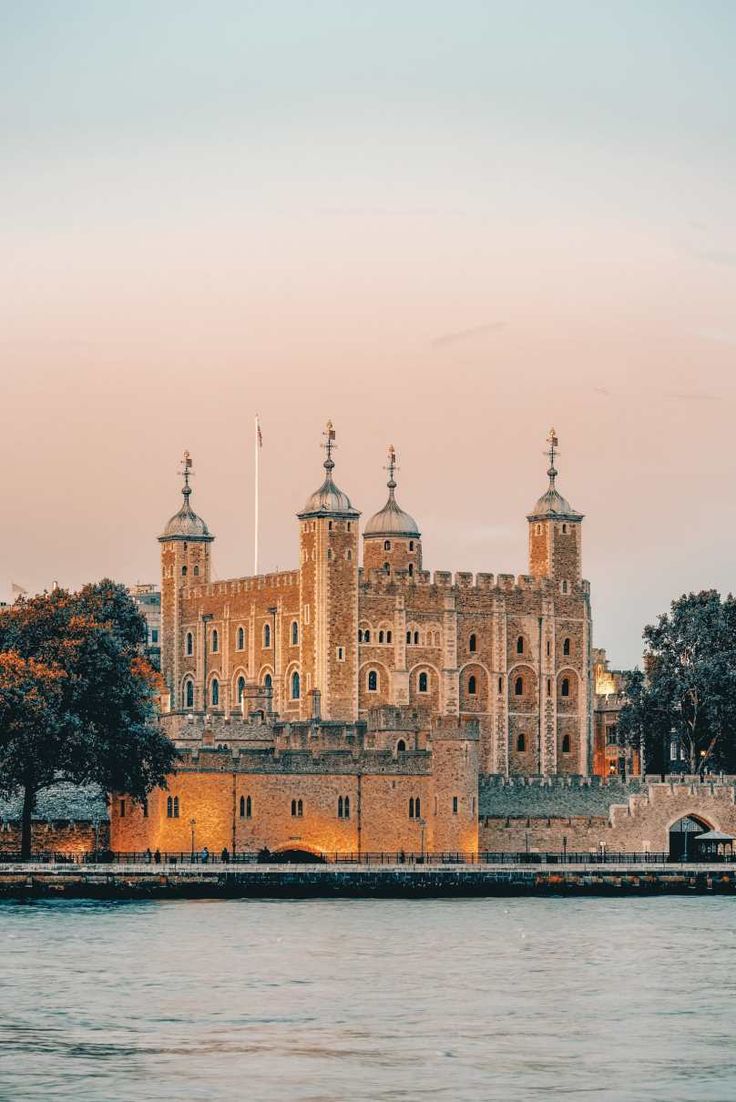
(552, 504)
(391, 520)
(329, 500)
(186, 525)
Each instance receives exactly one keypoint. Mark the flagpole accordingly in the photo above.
(256, 444)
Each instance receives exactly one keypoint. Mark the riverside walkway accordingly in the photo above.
(221, 880)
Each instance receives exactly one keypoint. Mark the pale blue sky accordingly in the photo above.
(443, 225)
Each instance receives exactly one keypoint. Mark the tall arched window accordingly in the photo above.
(521, 742)
(268, 681)
(294, 633)
(566, 646)
(267, 635)
(380, 637)
(188, 694)
(339, 807)
(295, 685)
(520, 645)
(246, 807)
(169, 807)
(416, 638)
(472, 685)
(241, 689)
(372, 681)
(565, 687)
(388, 636)
(240, 644)
(566, 744)
(473, 643)
(346, 807)
(519, 686)
(297, 809)
(190, 644)
(423, 682)
(408, 637)
(215, 641)
(411, 807)
(215, 697)
(411, 570)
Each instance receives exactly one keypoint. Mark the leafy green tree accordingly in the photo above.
(98, 722)
(689, 692)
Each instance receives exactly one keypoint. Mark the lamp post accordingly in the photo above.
(192, 823)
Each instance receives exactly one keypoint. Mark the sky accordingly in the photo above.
(443, 226)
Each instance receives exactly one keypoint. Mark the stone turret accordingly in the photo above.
(392, 540)
(555, 532)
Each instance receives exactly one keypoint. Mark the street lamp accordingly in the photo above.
(192, 823)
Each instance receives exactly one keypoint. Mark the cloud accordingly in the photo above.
(461, 335)
(716, 256)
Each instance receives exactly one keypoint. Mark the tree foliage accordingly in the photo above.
(77, 698)
(688, 696)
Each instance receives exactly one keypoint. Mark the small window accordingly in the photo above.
(538, 529)
(240, 644)
(386, 568)
(367, 635)
(169, 807)
(408, 637)
(330, 526)
(329, 554)
(349, 526)
(339, 807)
(519, 686)
(341, 654)
(349, 555)
(454, 805)
(241, 689)
(565, 687)
(473, 643)
(401, 746)
(565, 587)
(154, 635)
(189, 644)
(343, 807)
(176, 807)
(521, 742)
(215, 641)
(215, 692)
(360, 635)
(416, 638)
(380, 637)
(295, 686)
(268, 681)
(267, 635)
(294, 633)
(122, 809)
(183, 571)
(566, 646)
(566, 744)
(387, 545)
(564, 529)
(189, 694)
(411, 570)
(415, 807)
(472, 685)
(388, 636)
(549, 648)
(196, 572)
(549, 686)
(500, 684)
(372, 681)
(423, 683)
(246, 807)
(411, 545)
(297, 809)
(520, 645)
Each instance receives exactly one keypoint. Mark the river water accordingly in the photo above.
(510, 999)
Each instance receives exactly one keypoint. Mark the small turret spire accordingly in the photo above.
(187, 472)
(391, 467)
(329, 435)
(552, 444)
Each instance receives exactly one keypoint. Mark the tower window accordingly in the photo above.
(266, 635)
(294, 633)
(408, 637)
(500, 684)
(189, 694)
(349, 555)
(268, 681)
(122, 809)
(519, 686)
(416, 638)
(415, 807)
(521, 742)
(297, 809)
(401, 746)
(240, 644)
(520, 645)
(565, 687)
(215, 697)
(189, 648)
(183, 571)
(329, 554)
(388, 636)
(411, 545)
(295, 686)
(538, 529)
(549, 648)
(549, 686)
(196, 572)
(144, 808)
(566, 646)
(411, 570)
(372, 681)
(454, 805)
(473, 643)
(564, 529)
(387, 545)
(472, 685)
(330, 526)
(380, 637)
(566, 744)
(241, 689)
(215, 641)
(423, 683)
(172, 807)
(367, 635)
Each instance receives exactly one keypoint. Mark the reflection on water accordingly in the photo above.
(334, 1000)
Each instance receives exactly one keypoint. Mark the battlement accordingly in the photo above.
(462, 581)
(281, 579)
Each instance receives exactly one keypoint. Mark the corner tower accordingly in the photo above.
(555, 532)
(328, 581)
(185, 560)
(392, 540)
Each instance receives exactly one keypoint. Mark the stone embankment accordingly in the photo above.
(31, 881)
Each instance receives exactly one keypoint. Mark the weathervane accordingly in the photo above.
(553, 443)
(391, 467)
(186, 471)
(329, 435)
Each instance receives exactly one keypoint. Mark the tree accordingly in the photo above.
(689, 693)
(97, 725)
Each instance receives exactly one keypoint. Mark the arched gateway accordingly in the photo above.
(682, 837)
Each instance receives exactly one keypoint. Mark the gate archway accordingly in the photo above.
(682, 837)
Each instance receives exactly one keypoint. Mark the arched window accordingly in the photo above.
(408, 637)
(372, 681)
(360, 635)
(566, 744)
(388, 636)
(293, 808)
(169, 807)
(196, 572)
(346, 807)
(387, 545)
(339, 807)
(423, 685)
(268, 681)
(565, 687)
(416, 638)
(215, 641)
(411, 545)
(295, 685)
(246, 807)
(241, 689)
(387, 568)
(411, 807)
(329, 554)
(521, 742)
(401, 746)
(417, 808)
(190, 644)
(411, 570)
(549, 686)
(294, 633)
(472, 685)
(564, 529)
(473, 643)
(367, 635)
(566, 646)
(240, 644)
(183, 571)
(215, 692)
(380, 637)
(520, 645)
(188, 694)
(519, 686)
(176, 807)
(267, 635)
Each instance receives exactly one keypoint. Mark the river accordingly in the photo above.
(516, 999)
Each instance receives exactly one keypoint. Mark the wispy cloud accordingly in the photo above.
(461, 335)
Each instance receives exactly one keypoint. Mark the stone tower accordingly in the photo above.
(328, 583)
(185, 560)
(555, 533)
(392, 540)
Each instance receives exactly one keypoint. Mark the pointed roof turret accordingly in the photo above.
(552, 504)
(328, 500)
(186, 525)
(391, 520)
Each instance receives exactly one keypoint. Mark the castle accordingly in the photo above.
(336, 707)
